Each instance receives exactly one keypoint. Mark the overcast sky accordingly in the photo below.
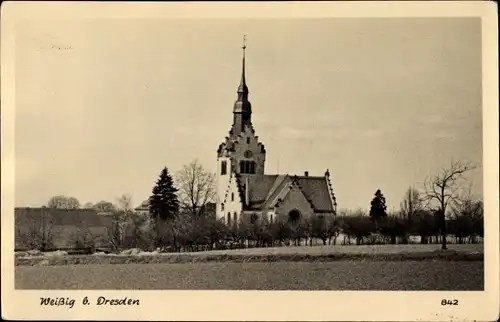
(103, 105)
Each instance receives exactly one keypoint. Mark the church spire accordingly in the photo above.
(242, 107)
(243, 89)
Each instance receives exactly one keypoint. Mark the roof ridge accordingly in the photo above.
(279, 180)
(286, 185)
(310, 177)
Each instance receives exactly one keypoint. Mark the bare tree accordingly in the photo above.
(124, 202)
(37, 230)
(468, 217)
(196, 187)
(104, 206)
(88, 205)
(411, 204)
(63, 202)
(444, 188)
(120, 218)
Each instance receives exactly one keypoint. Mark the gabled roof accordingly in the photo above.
(63, 224)
(266, 190)
(143, 206)
(59, 217)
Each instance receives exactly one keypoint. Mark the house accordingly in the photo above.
(244, 190)
(143, 208)
(59, 228)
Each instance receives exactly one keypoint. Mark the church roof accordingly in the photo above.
(265, 190)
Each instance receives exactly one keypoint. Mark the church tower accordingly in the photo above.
(241, 154)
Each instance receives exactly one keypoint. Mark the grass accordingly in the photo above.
(472, 252)
(341, 275)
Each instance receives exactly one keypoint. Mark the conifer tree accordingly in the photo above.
(163, 203)
(378, 207)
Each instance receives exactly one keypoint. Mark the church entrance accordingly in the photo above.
(293, 216)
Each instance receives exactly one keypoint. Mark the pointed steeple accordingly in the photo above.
(242, 107)
(243, 89)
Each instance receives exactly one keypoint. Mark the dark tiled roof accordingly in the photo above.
(60, 217)
(317, 191)
(265, 189)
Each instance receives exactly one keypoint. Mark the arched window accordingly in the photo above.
(222, 207)
(223, 169)
(235, 219)
(253, 218)
(229, 218)
(247, 167)
(232, 196)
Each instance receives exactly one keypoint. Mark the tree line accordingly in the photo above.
(179, 219)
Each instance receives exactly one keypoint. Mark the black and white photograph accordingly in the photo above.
(253, 153)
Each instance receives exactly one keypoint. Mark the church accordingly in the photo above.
(246, 192)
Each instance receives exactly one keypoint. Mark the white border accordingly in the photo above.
(250, 305)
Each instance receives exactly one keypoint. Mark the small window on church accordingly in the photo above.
(235, 217)
(229, 218)
(223, 169)
(232, 196)
(252, 167)
(242, 166)
(222, 207)
(248, 140)
(253, 218)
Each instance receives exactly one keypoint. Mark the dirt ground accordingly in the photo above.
(341, 275)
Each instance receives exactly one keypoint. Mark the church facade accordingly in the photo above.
(246, 192)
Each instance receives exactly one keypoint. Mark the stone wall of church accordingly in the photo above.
(294, 200)
(232, 203)
(222, 182)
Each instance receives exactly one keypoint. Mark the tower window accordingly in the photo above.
(247, 167)
(223, 169)
(232, 196)
(229, 218)
(248, 140)
(234, 217)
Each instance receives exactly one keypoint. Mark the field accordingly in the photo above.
(340, 275)
(387, 267)
(468, 252)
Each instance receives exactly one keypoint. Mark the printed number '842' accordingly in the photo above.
(449, 302)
